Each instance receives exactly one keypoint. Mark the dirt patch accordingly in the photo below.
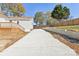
(8, 36)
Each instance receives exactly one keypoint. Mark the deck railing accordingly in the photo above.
(10, 25)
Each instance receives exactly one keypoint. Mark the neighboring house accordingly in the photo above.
(24, 22)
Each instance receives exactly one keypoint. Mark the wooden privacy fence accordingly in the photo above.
(68, 22)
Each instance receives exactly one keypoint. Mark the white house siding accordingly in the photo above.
(26, 24)
(3, 20)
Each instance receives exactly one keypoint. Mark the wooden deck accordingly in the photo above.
(9, 35)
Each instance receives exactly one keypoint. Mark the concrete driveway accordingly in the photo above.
(38, 43)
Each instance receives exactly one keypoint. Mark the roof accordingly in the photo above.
(23, 18)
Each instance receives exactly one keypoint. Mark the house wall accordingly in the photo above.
(3, 20)
(27, 25)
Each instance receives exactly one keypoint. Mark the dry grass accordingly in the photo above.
(71, 28)
(8, 36)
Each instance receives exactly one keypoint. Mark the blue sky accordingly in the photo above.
(32, 8)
